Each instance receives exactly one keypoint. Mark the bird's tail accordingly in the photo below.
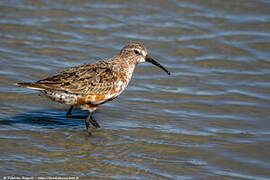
(30, 85)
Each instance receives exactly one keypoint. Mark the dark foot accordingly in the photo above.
(91, 120)
(94, 122)
(87, 124)
(69, 115)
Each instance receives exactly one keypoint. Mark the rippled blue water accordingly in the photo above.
(208, 120)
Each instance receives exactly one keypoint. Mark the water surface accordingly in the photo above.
(208, 120)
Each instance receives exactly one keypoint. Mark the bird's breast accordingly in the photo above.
(118, 87)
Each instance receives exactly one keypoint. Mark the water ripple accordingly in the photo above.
(209, 119)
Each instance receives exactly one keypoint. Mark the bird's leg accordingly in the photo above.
(91, 120)
(87, 124)
(69, 112)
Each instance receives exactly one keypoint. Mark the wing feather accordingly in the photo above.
(98, 78)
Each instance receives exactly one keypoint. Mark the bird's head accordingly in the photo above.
(136, 53)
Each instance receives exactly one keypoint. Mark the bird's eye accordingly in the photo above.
(136, 52)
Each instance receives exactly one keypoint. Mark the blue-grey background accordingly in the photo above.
(208, 120)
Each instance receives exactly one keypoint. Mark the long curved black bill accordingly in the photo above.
(151, 60)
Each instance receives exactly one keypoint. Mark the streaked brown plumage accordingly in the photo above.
(89, 85)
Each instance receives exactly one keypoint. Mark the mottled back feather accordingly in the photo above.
(97, 78)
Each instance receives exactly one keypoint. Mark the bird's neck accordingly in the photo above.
(124, 65)
(127, 68)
